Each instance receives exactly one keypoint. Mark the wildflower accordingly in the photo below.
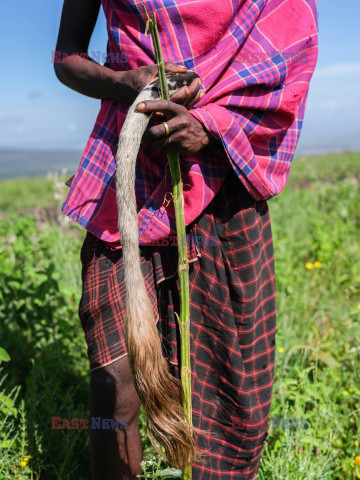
(281, 350)
(331, 330)
(309, 266)
(318, 264)
(24, 461)
(359, 307)
(357, 461)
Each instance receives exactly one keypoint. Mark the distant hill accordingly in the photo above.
(34, 163)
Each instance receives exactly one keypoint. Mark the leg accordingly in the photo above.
(115, 453)
(233, 313)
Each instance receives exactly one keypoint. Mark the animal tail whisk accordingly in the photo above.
(160, 392)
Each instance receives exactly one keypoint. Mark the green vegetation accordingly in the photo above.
(315, 223)
(25, 193)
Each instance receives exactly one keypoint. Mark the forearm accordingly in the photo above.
(82, 74)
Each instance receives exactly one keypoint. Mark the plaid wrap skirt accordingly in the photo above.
(232, 316)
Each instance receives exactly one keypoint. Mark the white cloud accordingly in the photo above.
(35, 94)
(11, 119)
(343, 104)
(326, 105)
(334, 111)
(338, 69)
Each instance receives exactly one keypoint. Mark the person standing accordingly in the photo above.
(236, 134)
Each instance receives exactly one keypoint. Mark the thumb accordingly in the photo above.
(173, 67)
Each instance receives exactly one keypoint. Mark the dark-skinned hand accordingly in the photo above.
(186, 134)
(139, 77)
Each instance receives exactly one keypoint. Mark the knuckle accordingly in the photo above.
(184, 121)
(179, 94)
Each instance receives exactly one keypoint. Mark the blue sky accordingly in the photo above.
(37, 111)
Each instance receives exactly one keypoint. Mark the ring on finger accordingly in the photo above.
(167, 131)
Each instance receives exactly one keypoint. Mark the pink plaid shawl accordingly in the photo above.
(256, 59)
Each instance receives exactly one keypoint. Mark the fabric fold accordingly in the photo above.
(255, 58)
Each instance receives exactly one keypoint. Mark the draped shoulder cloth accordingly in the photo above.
(256, 59)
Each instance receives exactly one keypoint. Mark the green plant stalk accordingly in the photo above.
(183, 263)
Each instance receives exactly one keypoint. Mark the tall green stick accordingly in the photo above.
(183, 265)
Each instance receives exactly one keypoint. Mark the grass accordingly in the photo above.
(315, 223)
(25, 193)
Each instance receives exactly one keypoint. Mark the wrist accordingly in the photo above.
(122, 89)
(208, 138)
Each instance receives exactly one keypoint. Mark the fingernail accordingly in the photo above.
(202, 93)
(187, 91)
(182, 66)
(140, 106)
(199, 82)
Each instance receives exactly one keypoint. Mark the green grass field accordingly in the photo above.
(315, 223)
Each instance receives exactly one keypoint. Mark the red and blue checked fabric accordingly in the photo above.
(256, 59)
(232, 301)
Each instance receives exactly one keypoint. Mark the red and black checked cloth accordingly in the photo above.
(233, 323)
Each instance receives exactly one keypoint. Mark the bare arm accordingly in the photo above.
(73, 66)
(75, 69)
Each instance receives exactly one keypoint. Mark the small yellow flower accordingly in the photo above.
(331, 330)
(24, 461)
(309, 266)
(359, 306)
(357, 461)
(318, 264)
(358, 475)
(281, 350)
